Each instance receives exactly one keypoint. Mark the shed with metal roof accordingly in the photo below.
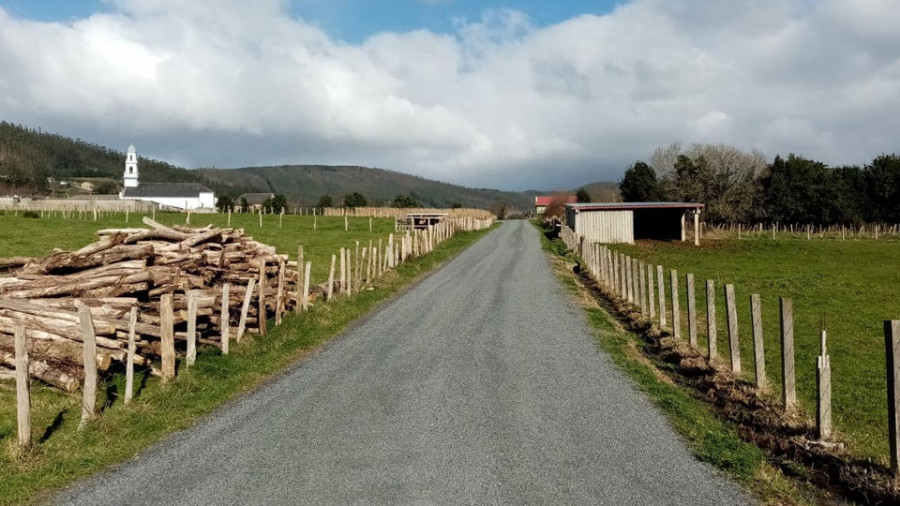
(625, 222)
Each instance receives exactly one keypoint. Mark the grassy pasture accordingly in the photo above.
(20, 236)
(854, 283)
(61, 454)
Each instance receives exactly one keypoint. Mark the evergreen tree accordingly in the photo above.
(325, 201)
(639, 184)
(582, 196)
(355, 199)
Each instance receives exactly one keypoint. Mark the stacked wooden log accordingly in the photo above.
(132, 268)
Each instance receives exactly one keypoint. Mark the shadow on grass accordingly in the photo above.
(54, 426)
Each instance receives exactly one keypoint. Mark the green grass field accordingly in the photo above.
(61, 454)
(38, 236)
(854, 283)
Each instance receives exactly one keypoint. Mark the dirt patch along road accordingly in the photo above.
(481, 385)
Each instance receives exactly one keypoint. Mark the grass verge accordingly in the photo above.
(712, 440)
(853, 283)
(62, 454)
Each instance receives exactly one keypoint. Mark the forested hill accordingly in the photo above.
(306, 184)
(28, 157)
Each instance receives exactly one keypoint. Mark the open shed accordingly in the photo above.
(625, 222)
(421, 220)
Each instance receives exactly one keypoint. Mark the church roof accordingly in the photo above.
(131, 148)
(166, 190)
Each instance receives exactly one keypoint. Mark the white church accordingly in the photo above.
(177, 195)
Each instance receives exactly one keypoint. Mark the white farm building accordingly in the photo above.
(624, 222)
(177, 195)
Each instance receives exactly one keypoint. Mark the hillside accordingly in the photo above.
(305, 184)
(29, 157)
(603, 191)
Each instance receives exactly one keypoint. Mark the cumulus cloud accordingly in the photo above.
(500, 102)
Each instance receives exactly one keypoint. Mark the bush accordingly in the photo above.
(559, 246)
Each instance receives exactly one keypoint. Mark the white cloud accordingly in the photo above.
(501, 102)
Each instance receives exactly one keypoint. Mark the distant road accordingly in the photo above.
(481, 385)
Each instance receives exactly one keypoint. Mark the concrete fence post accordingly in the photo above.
(692, 309)
(759, 357)
(823, 391)
(129, 360)
(224, 318)
(661, 289)
(788, 380)
(734, 346)
(23, 388)
(711, 319)
(642, 286)
(191, 355)
(167, 322)
(89, 391)
(263, 288)
(676, 311)
(245, 308)
(892, 356)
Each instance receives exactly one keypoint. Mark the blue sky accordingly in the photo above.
(354, 20)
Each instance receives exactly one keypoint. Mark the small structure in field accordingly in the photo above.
(182, 196)
(421, 220)
(254, 201)
(624, 222)
(541, 202)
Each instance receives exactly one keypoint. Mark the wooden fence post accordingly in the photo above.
(676, 311)
(661, 289)
(892, 357)
(788, 381)
(692, 309)
(225, 318)
(129, 361)
(626, 274)
(89, 339)
(342, 283)
(23, 390)
(734, 347)
(758, 351)
(642, 287)
(242, 323)
(261, 315)
(823, 391)
(305, 299)
(651, 294)
(191, 355)
(300, 278)
(711, 319)
(279, 294)
(331, 279)
(166, 320)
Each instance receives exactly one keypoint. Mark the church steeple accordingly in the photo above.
(131, 168)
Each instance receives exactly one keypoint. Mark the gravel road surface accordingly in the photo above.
(481, 385)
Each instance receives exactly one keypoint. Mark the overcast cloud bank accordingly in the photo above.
(499, 103)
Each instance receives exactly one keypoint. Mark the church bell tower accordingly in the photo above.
(131, 168)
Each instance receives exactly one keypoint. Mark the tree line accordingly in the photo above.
(740, 186)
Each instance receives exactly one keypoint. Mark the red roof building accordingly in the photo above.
(541, 202)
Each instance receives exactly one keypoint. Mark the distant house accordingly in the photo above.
(178, 195)
(541, 203)
(255, 201)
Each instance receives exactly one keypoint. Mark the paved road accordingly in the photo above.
(482, 385)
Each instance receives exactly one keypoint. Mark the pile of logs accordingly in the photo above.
(134, 268)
